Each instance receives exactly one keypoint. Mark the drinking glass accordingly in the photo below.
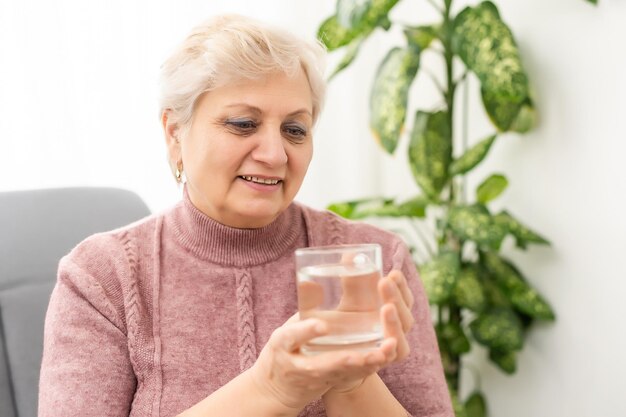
(339, 284)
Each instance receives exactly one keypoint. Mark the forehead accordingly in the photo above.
(276, 93)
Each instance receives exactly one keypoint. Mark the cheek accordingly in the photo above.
(302, 159)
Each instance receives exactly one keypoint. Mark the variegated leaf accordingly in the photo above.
(472, 156)
(523, 235)
(453, 337)
(475, 405)
(333, 35)
(498, 329)
(350, 54)
(439, 276)
(475, 223)
(430, 152)
(525, 298)
(351, 13)
(354, 209)
(353, 19)
(487, 47)
(505, 360)
(421, 36)
(468, 292)
(389, 95)
(491, 188)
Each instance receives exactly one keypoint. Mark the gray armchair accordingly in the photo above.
(36, 229)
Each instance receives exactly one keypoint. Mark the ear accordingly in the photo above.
(172, 138)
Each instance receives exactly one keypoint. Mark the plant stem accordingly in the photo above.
(465, 134)
(454, 311)
(454, 378)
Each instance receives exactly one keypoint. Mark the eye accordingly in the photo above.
(241, 125)
(295, 132)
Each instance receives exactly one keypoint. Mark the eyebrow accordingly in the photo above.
(258, 110)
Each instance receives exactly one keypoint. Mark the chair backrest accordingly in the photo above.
(37, 228)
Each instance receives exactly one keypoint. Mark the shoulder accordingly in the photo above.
(107, 250)
(100, 267)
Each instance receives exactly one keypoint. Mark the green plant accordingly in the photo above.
(477, 294)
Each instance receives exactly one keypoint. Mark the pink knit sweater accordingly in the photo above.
(149, 319)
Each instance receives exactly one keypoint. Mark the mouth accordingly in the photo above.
(259, 180)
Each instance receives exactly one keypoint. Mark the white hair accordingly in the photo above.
(229, 48)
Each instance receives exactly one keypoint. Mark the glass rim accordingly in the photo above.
(316, 250)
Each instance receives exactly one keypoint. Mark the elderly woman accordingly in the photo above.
(190, 312)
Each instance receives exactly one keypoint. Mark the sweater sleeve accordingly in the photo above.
(86, 370)
(418, 381)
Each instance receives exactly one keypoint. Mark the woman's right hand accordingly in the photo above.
(284, 374)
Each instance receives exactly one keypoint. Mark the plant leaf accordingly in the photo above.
(439, 276)
(475, 223)
(468, 292)
(523, 235)
(453, 337)
(389, 96)
(472, 156)
(333, 35)
(377, 13)
(502, 112)
(351, 52)
(354, 18)
(475, 405)
(430, 152)
(523, 297)
(487, 47)
(495, 295)
(457, 405)
(499, 329)
(353, 209)
(505, 360)
(342, 209)
(526, 118)
(491, 188)
(351, 13)
(593, 1)
(421, 36)
(380, 207)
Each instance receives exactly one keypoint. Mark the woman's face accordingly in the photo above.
(248, 149)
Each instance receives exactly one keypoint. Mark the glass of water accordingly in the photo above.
(339, 284)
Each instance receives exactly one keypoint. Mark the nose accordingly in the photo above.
(270, 147)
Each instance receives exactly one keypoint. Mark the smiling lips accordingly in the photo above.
(257, 180)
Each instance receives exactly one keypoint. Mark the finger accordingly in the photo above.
(393, 329)
(294, 318)
(293, 335)
(391, 294)
(400, 280)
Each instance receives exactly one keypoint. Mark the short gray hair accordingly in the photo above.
(233, 47)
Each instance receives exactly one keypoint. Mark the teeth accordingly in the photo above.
(260, 180)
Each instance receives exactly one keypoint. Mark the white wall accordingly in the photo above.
(78, 89)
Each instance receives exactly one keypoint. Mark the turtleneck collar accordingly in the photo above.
(224, 245)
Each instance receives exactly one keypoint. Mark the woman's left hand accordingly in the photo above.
(396, 318)
(396, 314)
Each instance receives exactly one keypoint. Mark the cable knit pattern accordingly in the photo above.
(149, 319)
(245, 315)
